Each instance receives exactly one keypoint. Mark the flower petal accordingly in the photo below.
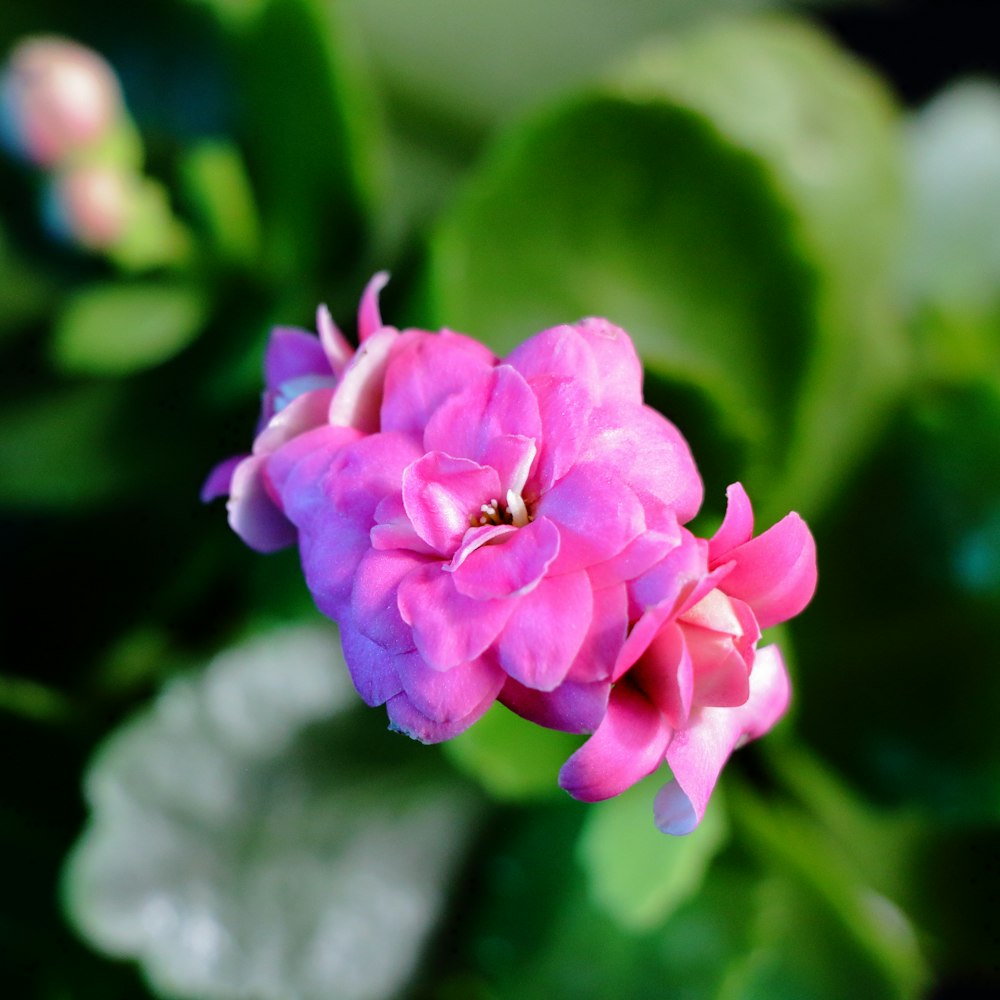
(448, 695)
(405, 718)
(424, 369)
(492, 405)
(290, 354)
(608, 626)
(628, 745)
(369, 318)
(546, 629)
(374, 671)
(619, 365)
(253, 514)
(775, 573)
(448, 627)
(220, 478)
(698, 752)
(335, 345)
(572, 707)
(358, 398)
(510, 565)
(302, 414)
(374, 610)
(665, 675)
(393, 529)
(564, 405)
(736, 527)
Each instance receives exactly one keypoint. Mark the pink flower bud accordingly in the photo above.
(90, 205)
(56, 97)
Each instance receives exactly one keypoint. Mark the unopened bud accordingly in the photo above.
(90, 206)
(56, 98)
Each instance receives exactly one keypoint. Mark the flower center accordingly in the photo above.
(514, 512)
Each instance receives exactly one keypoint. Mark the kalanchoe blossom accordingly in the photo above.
(309, 382)
(691, 685)
(494, 500)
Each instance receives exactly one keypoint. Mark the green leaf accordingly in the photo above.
(823, 128)
(511, 758)
(638, 211)
(637, 874)
(248, 839)
(118, 328)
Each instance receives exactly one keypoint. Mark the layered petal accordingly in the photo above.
(628, 745)
(448, 695)
(698, 752)
(573, 707)
(405, 717)
(358, 398)
(374, 608)
(253, 514)
(374, 672)
(736, 527)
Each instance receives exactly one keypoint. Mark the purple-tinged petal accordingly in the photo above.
(697, 753)
(374, 610)
(736, 527)
(596, 515)
(664, 674)
(492, 405)
(220, 478)
(405, 718)
(369, 317)
(423, 370)
(253, 514)
(619, 365)
(393, 529)
(441, 494)
(374, 672)
(546, 629)
(448, 627)
(302, 414)
(290, 354)
(573, 707)
(447, 695)
(608, 626)
(775, 573)
(628, 745)
(509, 565)
(358, 398)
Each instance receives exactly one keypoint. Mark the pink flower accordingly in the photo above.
(478, 544)
(309, 382)
(56, 97)
(690, 684)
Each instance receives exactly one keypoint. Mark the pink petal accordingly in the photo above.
(697, 753)
(424, 369)
(596, 515)
(442, 494)
(374, 610)
(619, 365)
(219, 479)
(492, 405)
(512, 456)
(665, 675)
(561, 352)
(721, 674)
(775, 573)
(358, 398)
(374, 672)
(335, 346)
(292, 353)
(369, 318)
(404, 717)
(608, 625)
(572, 707)
(253, 514)
(628, 745)
(448, 627)
(736, 527)
(546, 629)
(393, 529)
(448, 695)
(564, 405)
(508, 566)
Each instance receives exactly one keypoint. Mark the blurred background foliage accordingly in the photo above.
(795, 210)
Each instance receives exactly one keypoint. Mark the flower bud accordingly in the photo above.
(56, 97)
(90, 205)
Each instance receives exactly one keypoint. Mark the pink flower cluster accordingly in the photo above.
(512, 531)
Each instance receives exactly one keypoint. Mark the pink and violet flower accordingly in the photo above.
(512, 530)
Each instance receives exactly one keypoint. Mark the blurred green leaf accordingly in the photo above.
(238, 847)
(26, 293)
(512, 759)
(951, 263)
(823, 128)
(638, 211)
(56, 448)
(118, 328)
(215, 180)
(636, 873)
